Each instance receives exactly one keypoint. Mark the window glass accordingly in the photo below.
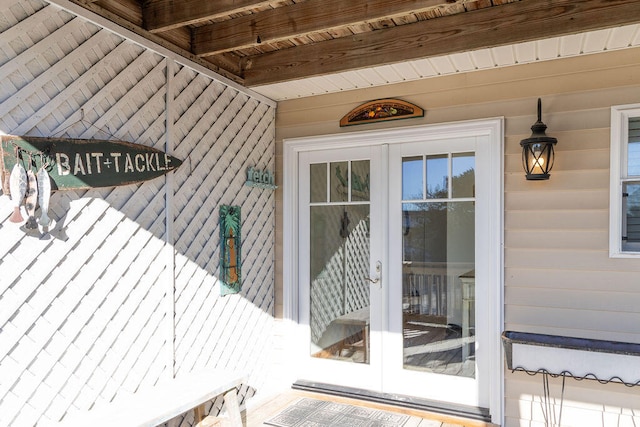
(631, 223)
(624, 209)
(633, 147)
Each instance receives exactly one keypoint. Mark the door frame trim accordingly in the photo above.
(492, 128)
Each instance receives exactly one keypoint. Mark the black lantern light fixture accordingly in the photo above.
(537, 150)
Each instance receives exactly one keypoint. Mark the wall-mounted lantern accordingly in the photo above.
(537, 150)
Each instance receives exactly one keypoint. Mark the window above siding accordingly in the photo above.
(624, 206)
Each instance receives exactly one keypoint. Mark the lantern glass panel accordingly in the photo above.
(538, 158)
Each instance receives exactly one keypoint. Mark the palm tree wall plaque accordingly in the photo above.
(230, 259)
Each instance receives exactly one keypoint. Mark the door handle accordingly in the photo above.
(378, 273)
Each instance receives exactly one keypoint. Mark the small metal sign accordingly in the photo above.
(84, 163)
(261, 179)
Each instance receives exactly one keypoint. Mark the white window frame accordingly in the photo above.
(620, 116)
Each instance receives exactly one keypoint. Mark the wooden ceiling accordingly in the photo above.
(257, 42)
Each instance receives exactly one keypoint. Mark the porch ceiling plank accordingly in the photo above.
(175, 42)
(164, 15)
(127, 9)
(522, 21)
(299, 19)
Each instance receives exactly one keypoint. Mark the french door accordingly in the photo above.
(397, 264)
(341, 219)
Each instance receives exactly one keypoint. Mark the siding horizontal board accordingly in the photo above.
(566, 160)
(584, 141)
(560, 200)
(603, 299)
(568, 220)
(589, 180)
(601, 321)
(557, 239)
(547, 259)
(578, 280)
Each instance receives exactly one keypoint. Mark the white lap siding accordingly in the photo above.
(558, 277)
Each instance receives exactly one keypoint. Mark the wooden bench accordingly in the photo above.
(157, 405)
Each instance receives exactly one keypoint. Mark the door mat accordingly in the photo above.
(319, 413)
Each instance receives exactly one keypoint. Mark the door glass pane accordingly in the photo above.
(318, 183)
(412, 184)
(463, 171)
(438, 279)
(339, 185)
(437, 176)
(360, 181)
(339, 264)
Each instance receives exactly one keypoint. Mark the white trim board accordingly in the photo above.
(620, 115)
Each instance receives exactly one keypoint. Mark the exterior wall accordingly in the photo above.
(558, 277)
(123, 291)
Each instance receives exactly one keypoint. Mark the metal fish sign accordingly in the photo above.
(44, 194)
(18, 188)
(76, 164)
(32, 200)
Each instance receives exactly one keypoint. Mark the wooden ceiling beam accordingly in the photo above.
(225, 65)
(300, 19)
(518, 22)
(164, 15)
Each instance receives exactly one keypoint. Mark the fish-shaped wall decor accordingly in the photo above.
(32, 200)
(18, 188)
(44, 194)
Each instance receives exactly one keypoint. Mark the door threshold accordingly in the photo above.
(445, 408)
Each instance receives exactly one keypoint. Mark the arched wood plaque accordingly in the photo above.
(381, 110)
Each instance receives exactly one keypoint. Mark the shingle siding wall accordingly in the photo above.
(123, 291)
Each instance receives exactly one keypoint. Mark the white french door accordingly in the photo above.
(397, 261)
(340, 251)
(436, 332)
